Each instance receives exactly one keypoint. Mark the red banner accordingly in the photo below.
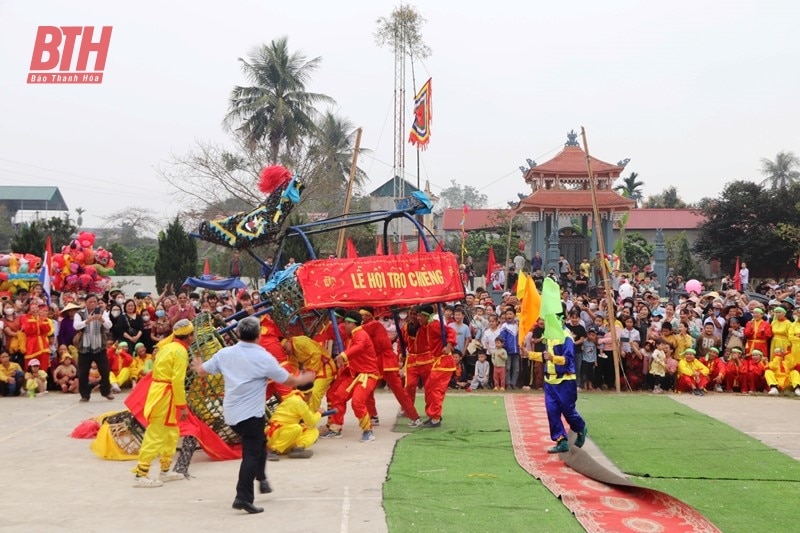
(380, 280)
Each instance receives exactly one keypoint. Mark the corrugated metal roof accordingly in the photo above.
(387, 189)
(32, 198)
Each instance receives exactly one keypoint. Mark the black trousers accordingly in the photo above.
(85, 365)
(254, 456)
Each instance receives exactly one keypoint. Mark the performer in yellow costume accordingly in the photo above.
(165, 405)
(313, 356)
(292, 427)
(780, 332)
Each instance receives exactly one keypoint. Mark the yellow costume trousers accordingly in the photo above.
(284, 438)
(318, 391)
(122, 378)
(159, 439)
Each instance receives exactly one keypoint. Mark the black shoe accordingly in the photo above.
(263, 486)
(430, 423)
(246, 506)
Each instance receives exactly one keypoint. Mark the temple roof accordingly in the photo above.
(571, 161)
(566, 200)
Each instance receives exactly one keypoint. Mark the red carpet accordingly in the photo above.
(601, 500)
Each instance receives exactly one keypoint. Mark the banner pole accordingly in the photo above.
(348, 196)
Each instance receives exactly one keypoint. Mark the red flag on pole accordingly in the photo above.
(420, 134)
(390, 250)
(404, 248)
(421, 244)
(379, 247)
(351, 249)
(440, 247)
(490, 266)
(737, 278)
(206, 268)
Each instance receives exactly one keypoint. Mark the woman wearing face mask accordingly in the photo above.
(130, 323)
(147, 328)
(114, 314)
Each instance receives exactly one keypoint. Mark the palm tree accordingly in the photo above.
(80, 212)
(631, 188)
(276, 108)
(782, 172)
(334, 146)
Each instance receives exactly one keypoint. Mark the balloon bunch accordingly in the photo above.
(80, 267)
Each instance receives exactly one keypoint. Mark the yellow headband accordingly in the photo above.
(183, 330)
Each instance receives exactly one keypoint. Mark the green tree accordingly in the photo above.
(177, 256)
(457, 195)
(685, 264)
(276, 108)
(637, 250)
(744, 221)
(6, 229)
(137, 261)
(631, 188)
(30, 239)
(667, 199)
(782, 172)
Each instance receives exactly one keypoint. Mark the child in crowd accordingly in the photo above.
(647, 354)
(499, 358)
(94, 376)
(35, 379)
(670, 377)
(459, 379)
(658, 365)
(66, 375)
(481, 379)
(589, 360)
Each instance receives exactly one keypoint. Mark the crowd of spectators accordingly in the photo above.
(57, 347)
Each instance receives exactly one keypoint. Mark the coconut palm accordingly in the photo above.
(333, 148)
(276, 109)
(631, 188)
(80, 212)
(782, 172)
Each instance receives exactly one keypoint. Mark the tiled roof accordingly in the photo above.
(475, 219)
(574, 200)
(664, 219)
(571, 161)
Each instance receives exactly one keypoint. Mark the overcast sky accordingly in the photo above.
(694, 92)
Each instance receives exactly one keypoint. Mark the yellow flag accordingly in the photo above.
(531, 303)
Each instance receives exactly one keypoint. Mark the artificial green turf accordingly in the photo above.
(731, 478)
(464, 477)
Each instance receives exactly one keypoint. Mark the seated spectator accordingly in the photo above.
(65, 375)
(481, 375)
(753, 368)
(119, 363)
(35, 379)
(142, 363)
(777, 373)
(12, 378)
(734, 370)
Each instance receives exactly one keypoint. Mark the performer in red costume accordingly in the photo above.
(752, 373)
(270, 340)
(442, 366)
(758, 332)
(388, 364)
(734, 370)
(716, 370)
(418, 359)
(357, 380)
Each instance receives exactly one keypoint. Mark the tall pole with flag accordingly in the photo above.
(464, 211)
(737, 276)
(44, 273)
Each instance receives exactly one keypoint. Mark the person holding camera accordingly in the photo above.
(93, 325)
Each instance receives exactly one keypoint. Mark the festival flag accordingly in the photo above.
(207, 268)
(531, 302)
(550, 309)
(379, 247)
(440, 247)
(44, 273)
(420, 134)
(737, 276)
(421, 245)
(403, 248)
(351, 249)
(798, 261)
(491, 262)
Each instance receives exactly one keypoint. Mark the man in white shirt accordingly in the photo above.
(744, 277)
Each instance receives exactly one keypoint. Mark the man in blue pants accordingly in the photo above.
(561, 393)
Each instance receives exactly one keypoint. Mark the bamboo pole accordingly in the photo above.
(508, 250)
(353, 168)
(601, 244)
